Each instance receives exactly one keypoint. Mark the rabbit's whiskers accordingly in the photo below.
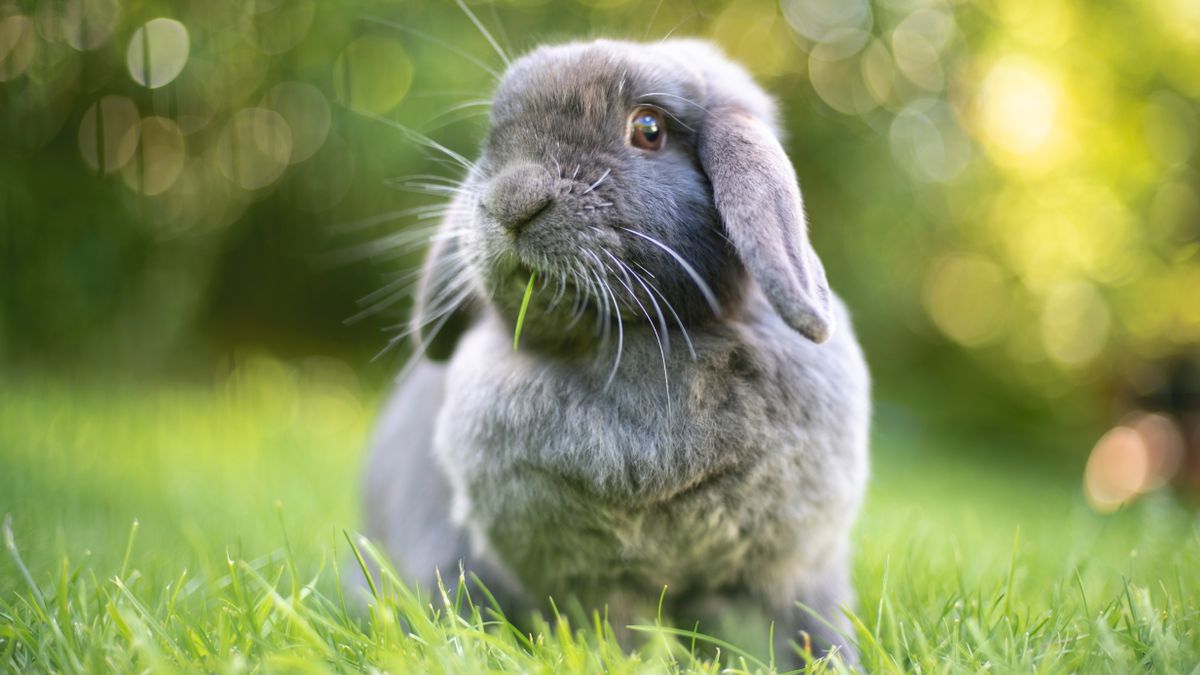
(687, 339)
(446, 118)
(397, 243)
(701, 285)
(421, 212)
(631, 276)
(425, 187)
(429, 338)
(593, 186)
(495, 75)
(419, 138)
(662, 349)
(579, 304)
(561, 283)
(620, 328)
(670, 114)
(445, 302)
(485, 32)
(685, 99)
(603, 318)
(441, 308)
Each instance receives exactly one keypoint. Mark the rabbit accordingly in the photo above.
(687, 406)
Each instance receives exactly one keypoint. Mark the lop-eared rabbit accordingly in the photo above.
(687, 407)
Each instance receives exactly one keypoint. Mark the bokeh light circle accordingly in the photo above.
(1175, 209)
(109, 133)
(1075, 323)
(837, 74)
(926, 140)
(1019, 106)
(372, 74)
(18, 44)
(161, 155)
(89, 24)
(188, 100)
(1116, 470)
(967, 297)
(761, 41)
(255, 148)
(917, 45)
(230, 72)
(167, 43)
(306, 112)
(935, 26)
(1166, 447)
(817, 19)
(1141, 455)
(275, 26)
(879, 72)
(1171, 127)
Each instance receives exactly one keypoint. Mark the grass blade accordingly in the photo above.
(524, 308)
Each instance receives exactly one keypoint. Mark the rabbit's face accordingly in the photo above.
(641, 182)
(590, 176)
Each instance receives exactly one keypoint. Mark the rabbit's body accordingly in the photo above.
(578, 486)
(730, 469)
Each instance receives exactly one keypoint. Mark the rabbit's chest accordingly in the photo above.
(626, 444)
(559, 539)
(560, 527)
(570, 483)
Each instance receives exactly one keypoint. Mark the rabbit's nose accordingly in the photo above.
(518, 195)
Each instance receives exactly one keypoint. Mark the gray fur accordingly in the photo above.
(554, 471)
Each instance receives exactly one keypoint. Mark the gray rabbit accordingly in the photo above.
(687, 407)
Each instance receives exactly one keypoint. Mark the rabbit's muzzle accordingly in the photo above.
(517, 196)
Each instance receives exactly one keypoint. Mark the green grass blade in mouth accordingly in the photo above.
(524, 308)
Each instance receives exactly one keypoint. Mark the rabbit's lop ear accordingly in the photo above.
(444, 304)
(755, 191)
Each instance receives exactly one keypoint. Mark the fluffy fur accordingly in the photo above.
(725, 454)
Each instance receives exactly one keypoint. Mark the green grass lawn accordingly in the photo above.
(243, 490)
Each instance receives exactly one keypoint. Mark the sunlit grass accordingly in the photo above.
(245, 497)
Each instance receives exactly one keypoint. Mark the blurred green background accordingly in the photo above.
(1005, 192)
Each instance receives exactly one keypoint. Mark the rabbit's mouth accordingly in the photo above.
(557, 290)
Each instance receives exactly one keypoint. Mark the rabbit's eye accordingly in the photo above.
(646, 129)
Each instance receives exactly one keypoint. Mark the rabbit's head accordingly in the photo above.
(643, 182)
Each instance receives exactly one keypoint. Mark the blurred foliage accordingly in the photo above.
(1006, 192)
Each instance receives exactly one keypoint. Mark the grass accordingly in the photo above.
(524, 308)
(243, 492)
